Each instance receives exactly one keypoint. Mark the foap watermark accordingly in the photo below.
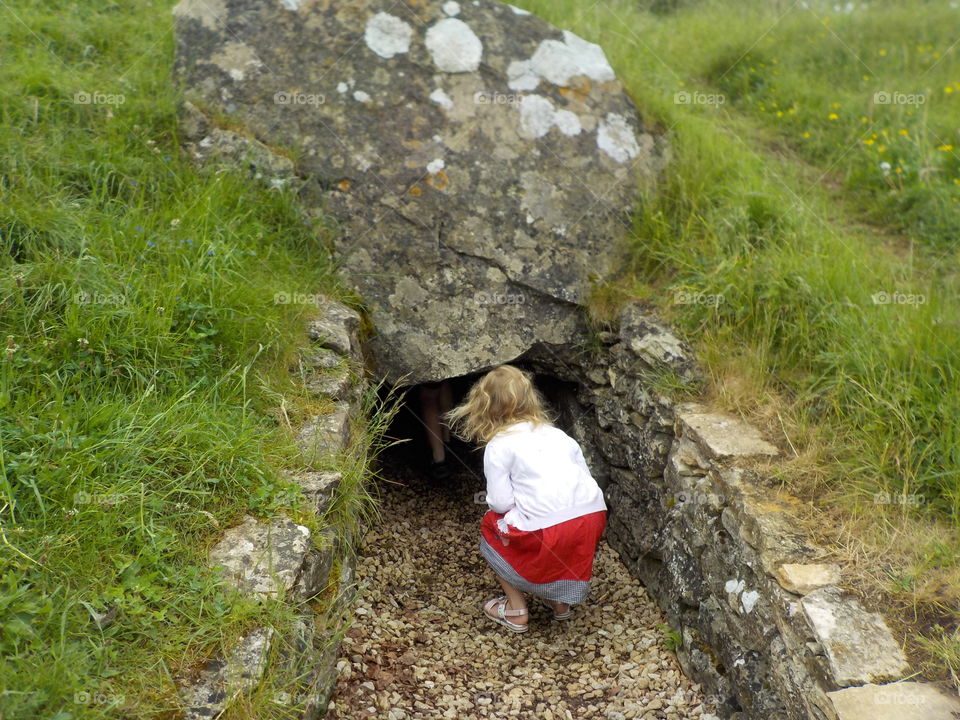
(98, 98)
(497, 98)
(885, 498)
(493, 298)
(109, 499)
(286, 298)
(685, 97)
(486, 698)
(480, 498)
(703, 496)
(86, 697)
(898, 298)
(298, 98)
(684, 297)
(82, 297)
(898, 697)
(887, 97)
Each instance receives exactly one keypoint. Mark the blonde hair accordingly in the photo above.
(502, 397)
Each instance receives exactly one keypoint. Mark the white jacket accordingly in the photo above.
(537, 476)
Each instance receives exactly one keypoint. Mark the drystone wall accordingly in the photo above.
(279, 558)
(765, 623)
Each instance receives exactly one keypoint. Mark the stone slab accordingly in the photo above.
(723, 436)
(896, 701)
(263, 556)
(801, 579)
(221, 678)
(325, 435)
(480, 167)
(858, 645)
(338, 327)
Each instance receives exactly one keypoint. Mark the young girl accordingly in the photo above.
(546, 511)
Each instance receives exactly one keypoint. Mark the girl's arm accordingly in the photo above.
(499, 488)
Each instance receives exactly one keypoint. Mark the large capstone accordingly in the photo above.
(482, 164)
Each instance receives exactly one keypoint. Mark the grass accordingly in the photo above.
(143, 356)
(141, 352)
(805, 239)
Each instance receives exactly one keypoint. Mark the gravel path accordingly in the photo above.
(421, 648)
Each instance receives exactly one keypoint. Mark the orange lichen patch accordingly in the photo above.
(419, 126)
(412, 144)
(438, 180)
(578, 90)
(344, 185)
(416, 191)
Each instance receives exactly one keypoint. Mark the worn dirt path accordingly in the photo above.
(421, 648)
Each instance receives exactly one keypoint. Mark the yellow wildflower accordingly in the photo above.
(832, 116)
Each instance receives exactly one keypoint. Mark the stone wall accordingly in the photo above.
(765, 625)
(279, 558)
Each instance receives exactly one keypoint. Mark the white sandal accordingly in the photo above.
(501, 615)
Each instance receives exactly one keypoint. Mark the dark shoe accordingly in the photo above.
(440, 471)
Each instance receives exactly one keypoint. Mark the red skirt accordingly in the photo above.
(555, 562)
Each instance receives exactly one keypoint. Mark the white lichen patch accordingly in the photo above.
(454, 47)
(292, 5)
(538, 115)
(748, 600)
(435, 165)
(617, 139)
(387, 35)
(451, 8)
(559, 62)
(342, 87)
(518, 11)
(567, 122)
(733, 586)
(442, 99)
(520, 76)
(361, 96)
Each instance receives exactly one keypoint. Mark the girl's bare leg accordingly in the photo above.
(430, 414)
(446, 403)
(516, 601)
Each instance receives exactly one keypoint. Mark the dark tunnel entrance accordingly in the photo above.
(409, 429)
